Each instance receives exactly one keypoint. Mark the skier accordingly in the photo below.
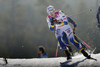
(58, 22)
(97, 16)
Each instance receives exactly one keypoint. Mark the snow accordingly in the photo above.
(77, 61)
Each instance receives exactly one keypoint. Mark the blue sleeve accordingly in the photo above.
(97, 16)
(52, 28)
(71, 21)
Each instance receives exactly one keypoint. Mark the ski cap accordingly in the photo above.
(50, 9)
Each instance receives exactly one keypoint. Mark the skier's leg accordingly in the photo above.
(67, 54)
(74, 42)
(65, 40)
(83, 46)
(79, 46)
(63, 46)
(58, 34)
(85, 54)
(77, 39)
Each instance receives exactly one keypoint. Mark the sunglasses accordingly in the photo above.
(50, 12)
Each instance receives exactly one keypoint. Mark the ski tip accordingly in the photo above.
(95, 59)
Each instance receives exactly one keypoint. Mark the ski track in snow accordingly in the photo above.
(77, 61)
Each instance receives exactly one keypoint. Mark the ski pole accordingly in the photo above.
(83, 41)
(80, 39)
(87, 45)
(57, 49)
(93, 51)
(80, 12)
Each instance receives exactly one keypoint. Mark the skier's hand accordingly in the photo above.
(74, 31)
(75, 26)
(52, 21)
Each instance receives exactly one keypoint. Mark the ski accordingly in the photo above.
(57, 50)
(93, 59)
(70, 60)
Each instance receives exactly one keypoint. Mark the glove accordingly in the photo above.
(75, 25)
(52, 21)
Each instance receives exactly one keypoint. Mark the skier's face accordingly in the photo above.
(52, 14)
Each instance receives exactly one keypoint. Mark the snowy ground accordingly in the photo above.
(78, 61)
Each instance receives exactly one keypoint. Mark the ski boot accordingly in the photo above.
(67, 54)
(84, 46)
(70, 50)
(86, 54)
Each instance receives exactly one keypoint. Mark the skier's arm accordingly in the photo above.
(97, 16)
(51, 25)
(72, 22)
